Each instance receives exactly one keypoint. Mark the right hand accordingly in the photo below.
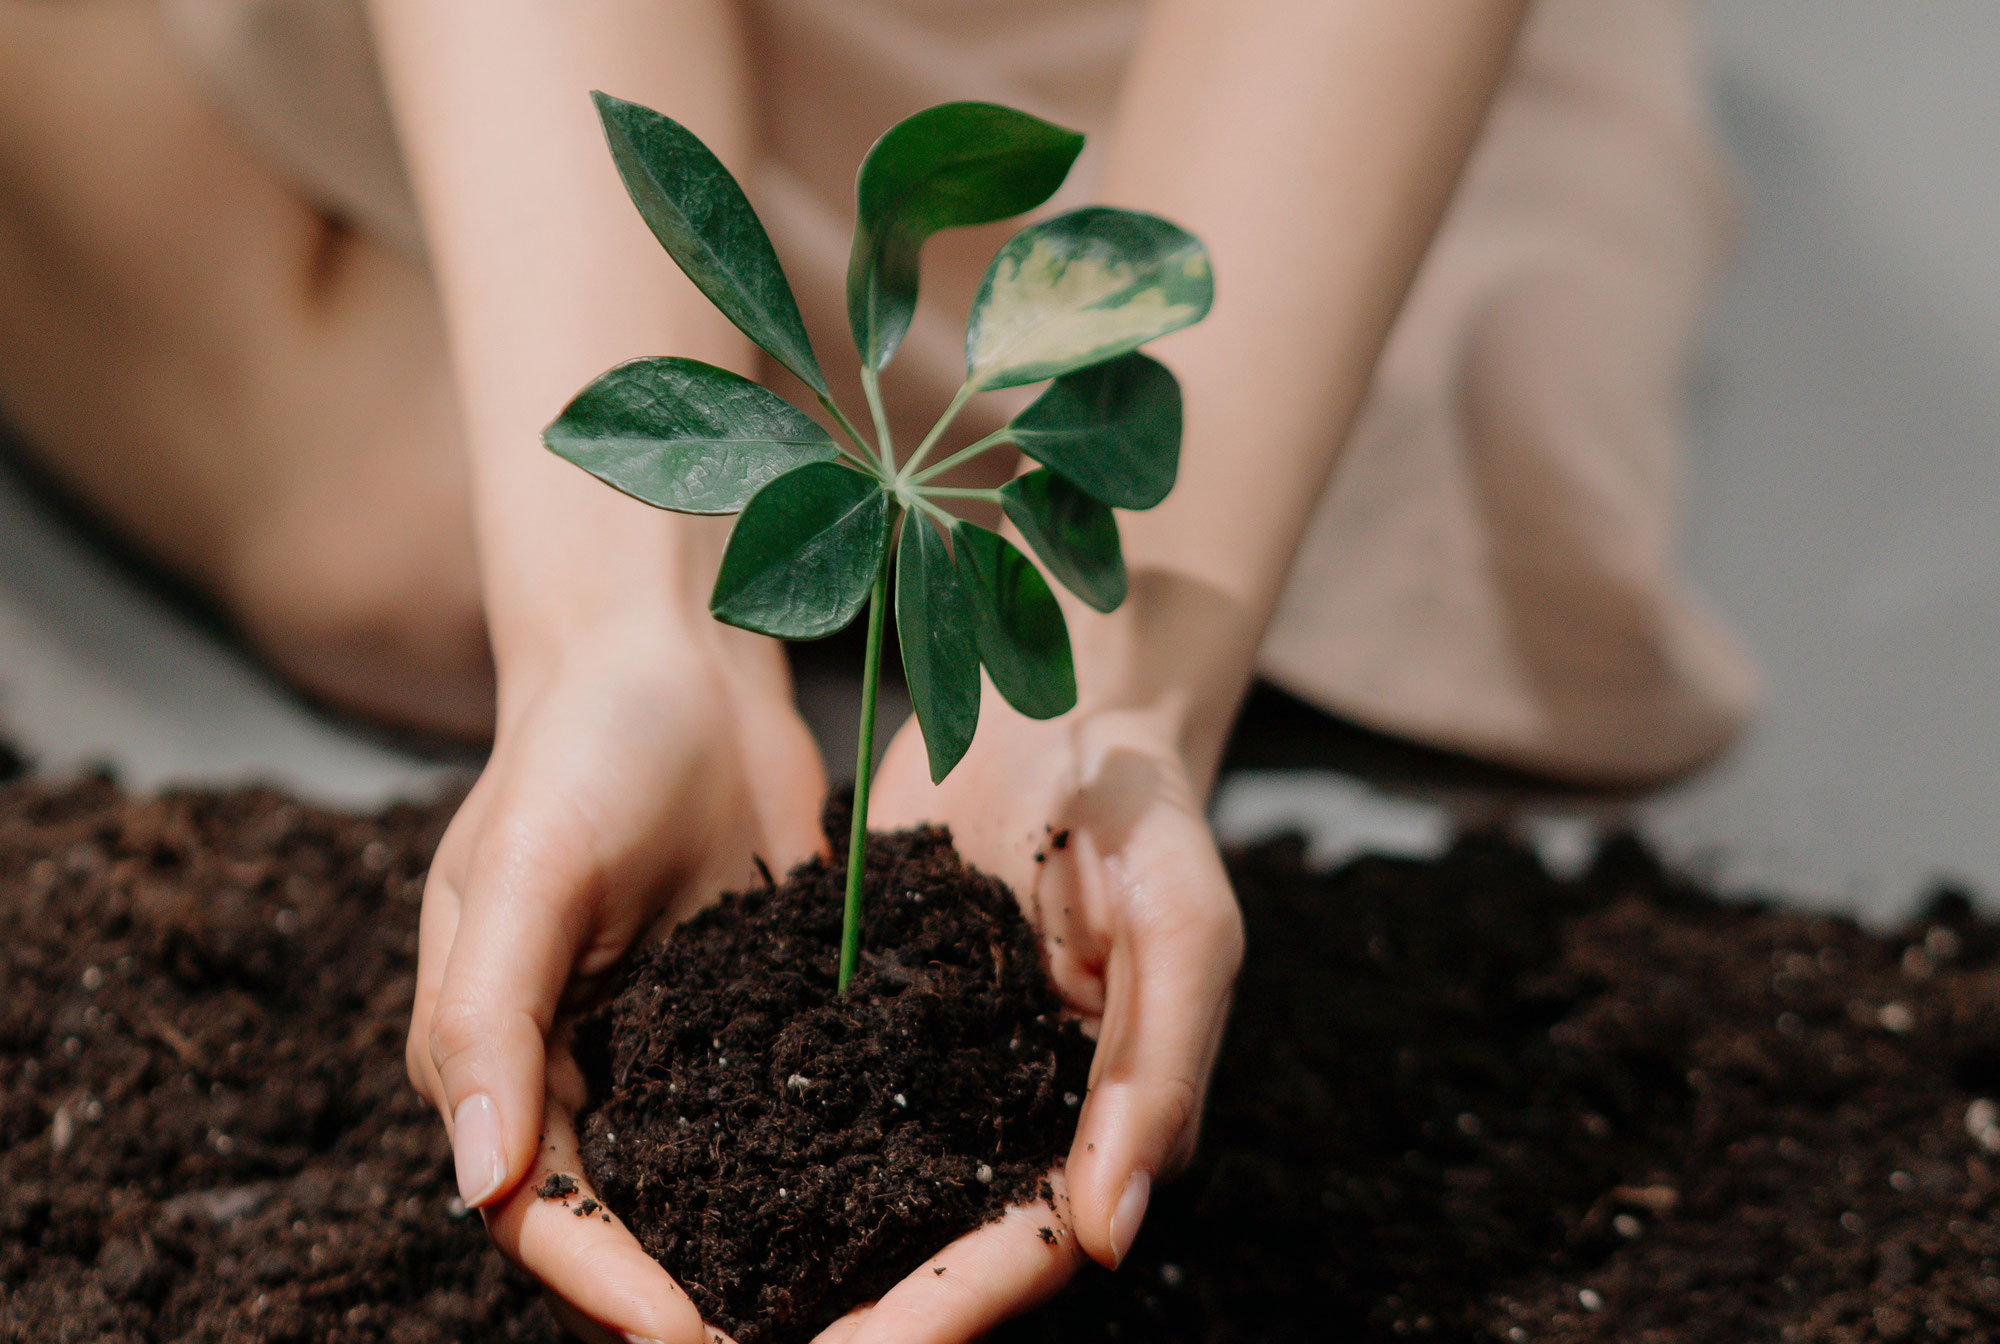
(633, 777)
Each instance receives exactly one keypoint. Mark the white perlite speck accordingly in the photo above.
(1982, 1122)
(1897, 1018)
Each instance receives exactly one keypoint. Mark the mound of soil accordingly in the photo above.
(790, 1152)
(1460, 1100)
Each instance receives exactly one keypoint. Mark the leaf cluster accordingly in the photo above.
(823, 523)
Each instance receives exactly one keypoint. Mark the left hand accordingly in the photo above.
(1143, 939)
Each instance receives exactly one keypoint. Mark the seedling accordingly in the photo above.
(1067, 301)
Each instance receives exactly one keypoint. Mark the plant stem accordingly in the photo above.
(958, 400)
(847, 428)
(864, 762)
(966, 454)
(871, 387)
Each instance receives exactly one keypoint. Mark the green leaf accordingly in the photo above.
(1019, 627)
(958, 164)
(1113, 430)
(684, 435)
(1079, 289)
(702, 218)
(1075, 535)
(940, 652)
(803, 556)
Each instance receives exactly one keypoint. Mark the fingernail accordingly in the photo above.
(1131, 1211)
(475, 1149)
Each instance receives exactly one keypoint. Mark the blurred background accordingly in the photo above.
(1843, 512)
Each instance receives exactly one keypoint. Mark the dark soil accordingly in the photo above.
(1460, 1101)
(1464, 1101)
(791, 1153)
(205, 1130)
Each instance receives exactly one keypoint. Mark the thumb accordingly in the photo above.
(522, 923)
(1177, 943)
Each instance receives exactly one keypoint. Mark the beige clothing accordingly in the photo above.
(1491, 569)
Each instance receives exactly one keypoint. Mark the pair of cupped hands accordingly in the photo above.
(634, 775)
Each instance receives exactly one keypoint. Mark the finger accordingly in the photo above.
(590, 1260)
(519, 931)
(990, 1274)
(574, 1324)
(1177, 944)
(437, 926)
(844, 1330)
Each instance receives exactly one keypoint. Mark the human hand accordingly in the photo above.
(632, 780)
(1096, 821)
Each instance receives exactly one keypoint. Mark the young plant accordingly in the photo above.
(822, 524)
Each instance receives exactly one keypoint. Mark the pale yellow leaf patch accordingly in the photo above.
(1056, 307)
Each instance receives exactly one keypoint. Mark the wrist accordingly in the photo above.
(670, 645)
(1172, 663)
(563, 560)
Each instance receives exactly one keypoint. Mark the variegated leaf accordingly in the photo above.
(1079, 289)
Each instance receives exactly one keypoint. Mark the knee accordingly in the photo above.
(377, 620)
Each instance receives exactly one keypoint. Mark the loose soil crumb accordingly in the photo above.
(205, 1129)
(1459, 1101)
(791, 1153)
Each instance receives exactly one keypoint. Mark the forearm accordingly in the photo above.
(548, 277)
(1313, 149)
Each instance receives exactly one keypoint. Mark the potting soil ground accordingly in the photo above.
(1460, 1101)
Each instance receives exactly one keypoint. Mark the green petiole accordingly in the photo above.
(962, 492)
(958, 400)
(871, 387)
(963, 455)
(854, 435)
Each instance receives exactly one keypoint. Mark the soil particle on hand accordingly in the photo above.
(556, 1185)
(789, 1152)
